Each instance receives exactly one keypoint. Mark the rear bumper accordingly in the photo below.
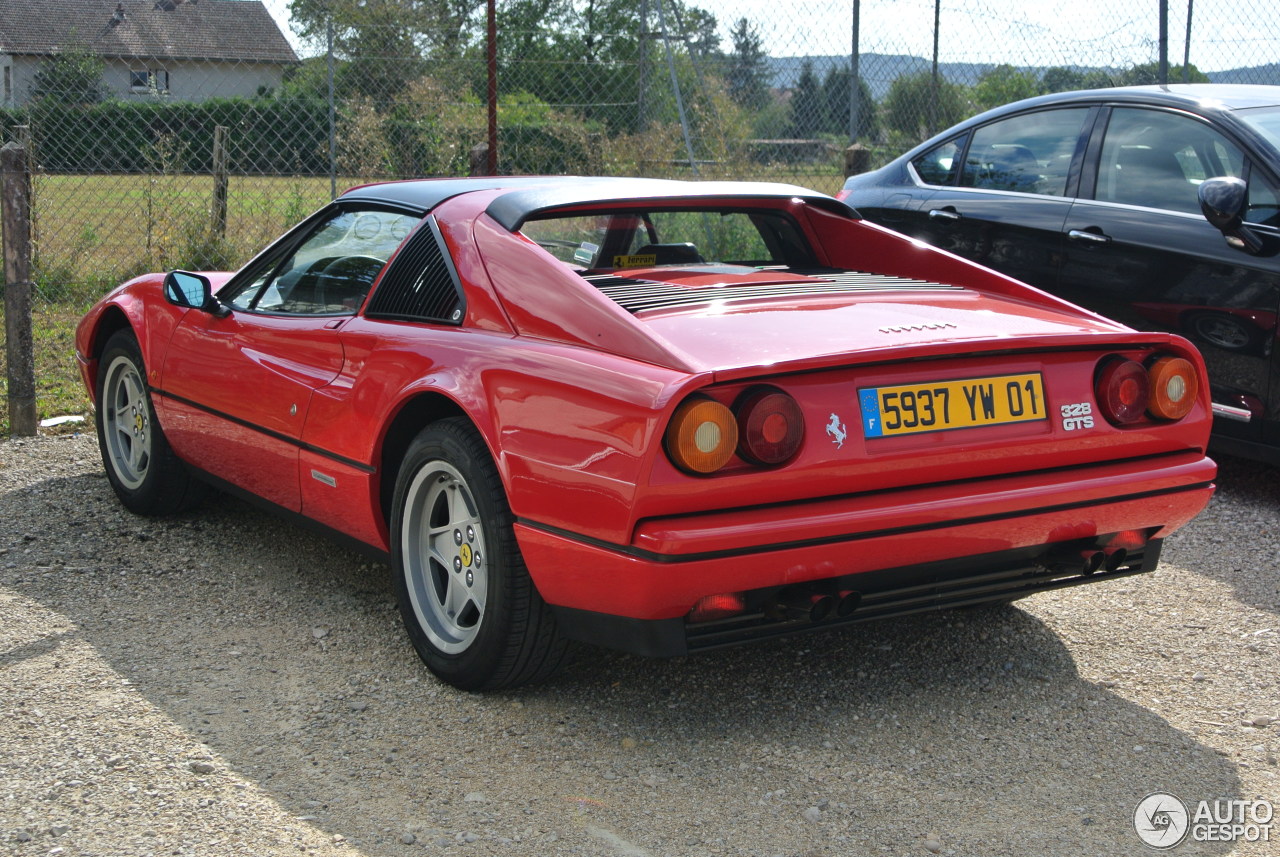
(954, 534)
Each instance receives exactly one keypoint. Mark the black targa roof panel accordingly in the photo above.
(530, 195)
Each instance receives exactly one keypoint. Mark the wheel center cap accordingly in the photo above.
(137, 422)
(465, 554)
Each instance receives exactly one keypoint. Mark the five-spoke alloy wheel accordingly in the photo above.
(468, 604)
(146, 475)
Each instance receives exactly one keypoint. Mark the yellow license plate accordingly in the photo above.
(943, 405)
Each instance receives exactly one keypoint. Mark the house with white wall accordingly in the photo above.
(184, 50)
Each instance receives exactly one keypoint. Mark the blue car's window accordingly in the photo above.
(1158, 159)
(941, 164)
(1028, 153)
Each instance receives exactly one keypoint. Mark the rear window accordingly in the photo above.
(684, 237)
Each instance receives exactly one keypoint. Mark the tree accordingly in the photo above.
(835, 92)
(1149, 73)
(1061, 79)
(73, 76)
(918, 109)
(808, 107)
(748, 75)
(1002, 85)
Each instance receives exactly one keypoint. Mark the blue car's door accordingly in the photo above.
(1138, 250)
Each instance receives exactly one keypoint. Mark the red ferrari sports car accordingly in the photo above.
(660, 416)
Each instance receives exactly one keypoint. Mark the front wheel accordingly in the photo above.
(467, 601)
(142, 469)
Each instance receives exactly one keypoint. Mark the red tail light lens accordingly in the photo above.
(1174, 388)
(702, 436)
(1123, 390)
(770, 426)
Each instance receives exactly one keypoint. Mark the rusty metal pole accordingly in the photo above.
(15, 200)
(492, 50)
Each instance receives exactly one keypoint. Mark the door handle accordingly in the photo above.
(1089, 237)
(949, 215)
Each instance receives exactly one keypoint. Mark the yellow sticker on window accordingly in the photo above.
(645, 261)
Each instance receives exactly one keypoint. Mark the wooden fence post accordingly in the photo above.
(218, 213)
(15, 202)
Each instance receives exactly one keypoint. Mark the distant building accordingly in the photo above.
(185, 50)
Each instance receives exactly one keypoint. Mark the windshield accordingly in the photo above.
(655, 238)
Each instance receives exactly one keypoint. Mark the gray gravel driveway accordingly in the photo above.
(226, 683)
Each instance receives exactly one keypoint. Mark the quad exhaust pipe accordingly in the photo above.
(814, 606)
(1089, 560)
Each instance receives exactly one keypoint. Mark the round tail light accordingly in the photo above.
(770, 426)
(702, 436)
(1174, 388)
(1123, 390)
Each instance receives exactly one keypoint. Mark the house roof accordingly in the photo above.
(227, 30)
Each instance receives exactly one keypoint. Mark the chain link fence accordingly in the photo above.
(188, 134)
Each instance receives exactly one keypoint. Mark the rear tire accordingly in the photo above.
(142, 469)
(468, 603)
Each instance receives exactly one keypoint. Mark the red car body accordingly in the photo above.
(572, 390)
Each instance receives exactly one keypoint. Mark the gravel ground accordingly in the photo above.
(224, 683)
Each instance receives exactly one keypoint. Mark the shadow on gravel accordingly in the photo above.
(1239, 532)
(285, 655)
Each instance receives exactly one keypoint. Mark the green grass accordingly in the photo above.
(94, 231)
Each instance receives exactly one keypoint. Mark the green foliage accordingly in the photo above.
(272, 136)
(835, 92)
(71, 77)
(1002, 85)
(1061, 79)
(1148, 74)
(917, 109)
(808, 105)
(748, 75)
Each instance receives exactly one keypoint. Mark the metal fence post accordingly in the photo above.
(15, 198)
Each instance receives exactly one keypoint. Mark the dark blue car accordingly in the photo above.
(1097, 196)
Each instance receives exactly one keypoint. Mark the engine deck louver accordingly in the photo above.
(637, 295)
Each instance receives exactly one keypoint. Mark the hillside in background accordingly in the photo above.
(879, 70)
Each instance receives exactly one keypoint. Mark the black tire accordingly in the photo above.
(142, 469)
(468, 604)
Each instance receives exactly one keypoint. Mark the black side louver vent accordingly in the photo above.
(421, 284)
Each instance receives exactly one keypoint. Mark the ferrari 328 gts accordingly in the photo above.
(655, 415)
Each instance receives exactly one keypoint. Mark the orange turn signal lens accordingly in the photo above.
(702, 436)
(1174, 388)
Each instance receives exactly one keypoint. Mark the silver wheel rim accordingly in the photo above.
(445, 557)
(126, 422)
(1223, 333)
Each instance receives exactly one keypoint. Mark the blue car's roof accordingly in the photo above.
(529, 195)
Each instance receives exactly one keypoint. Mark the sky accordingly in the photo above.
(1226, 33)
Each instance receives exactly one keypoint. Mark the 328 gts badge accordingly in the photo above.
(1077, 416)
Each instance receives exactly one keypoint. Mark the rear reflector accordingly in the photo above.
(717, 607)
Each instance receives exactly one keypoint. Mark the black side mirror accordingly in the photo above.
(1223, 202)
(193, 291)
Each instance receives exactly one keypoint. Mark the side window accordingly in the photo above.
(940, 164)
(331, 271)
(1264, 201)
(1029, 153)
(1158, 159)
